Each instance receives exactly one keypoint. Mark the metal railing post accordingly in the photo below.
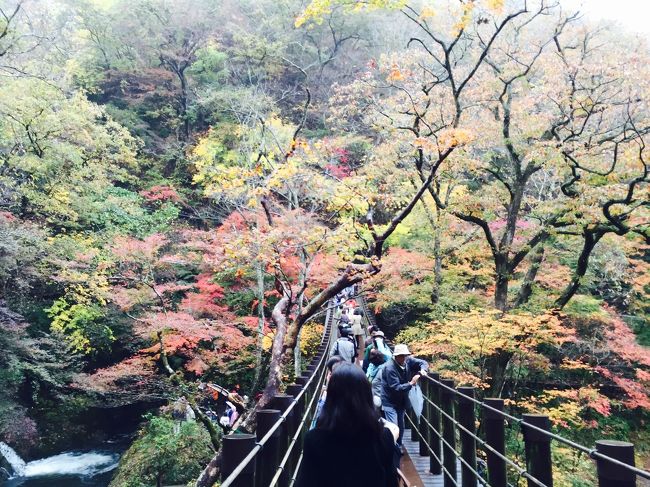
(538, 449)
(235, 449)
(268, 458)
(448, 434)
(611, 474)
(435, 467)
(467, 419)
(495, 437)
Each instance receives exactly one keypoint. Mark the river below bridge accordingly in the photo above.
(90, 468)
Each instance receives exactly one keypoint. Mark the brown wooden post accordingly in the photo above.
(448, 434)
(467, 419)
(495, 437)
(426, 414)
(282, 402)
(235, 449)
(293, 390)
(422, 429)
(435, 466)
(613, 475)
(538, 449)
(268, 458)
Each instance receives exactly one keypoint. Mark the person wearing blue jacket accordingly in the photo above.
(399, 375)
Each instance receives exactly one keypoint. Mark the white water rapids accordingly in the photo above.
(86, 464)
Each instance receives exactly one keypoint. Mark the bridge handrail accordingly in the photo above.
(320, 373)
(299, 430)
(591, 452)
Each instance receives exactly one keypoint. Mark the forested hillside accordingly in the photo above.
(184, 184)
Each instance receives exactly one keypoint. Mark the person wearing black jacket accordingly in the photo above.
(399, 376)
(349, 447)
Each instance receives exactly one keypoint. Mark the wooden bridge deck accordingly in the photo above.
(421, 464)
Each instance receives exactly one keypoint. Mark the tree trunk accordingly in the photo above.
(297, 359)
(437, 267)
(215, 437)
(185, 133)
(210, 473)
(502, 266)
(502, 282)
(260, 325)
(283, 345)
(527, 285)
(496, 368)
(591, 238)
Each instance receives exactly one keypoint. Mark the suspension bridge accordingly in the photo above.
(444, 447)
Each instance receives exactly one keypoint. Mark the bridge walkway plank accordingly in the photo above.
(421, 464)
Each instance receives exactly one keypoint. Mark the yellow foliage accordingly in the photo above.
(317, 10)
(427, 13)
(469, 339)
(454, 138)
(310, 338)
(395, 74)
(496, 5)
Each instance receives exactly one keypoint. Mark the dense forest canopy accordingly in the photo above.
(184, 184)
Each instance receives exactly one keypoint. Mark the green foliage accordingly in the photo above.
(71, 153)
(209, 66)
(641, 327)
(583, 305)
(120, 211)
(82, 326)
(166, 452)
(22, 247)
(240, 301)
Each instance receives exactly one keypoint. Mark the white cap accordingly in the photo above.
(401, 349)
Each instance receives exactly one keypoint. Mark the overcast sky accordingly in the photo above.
(633, 15)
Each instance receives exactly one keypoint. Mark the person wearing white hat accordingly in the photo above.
(399, 375)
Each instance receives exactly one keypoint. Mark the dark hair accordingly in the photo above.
(376, 357)
(336, 359)
(349, 408)
(345, 331)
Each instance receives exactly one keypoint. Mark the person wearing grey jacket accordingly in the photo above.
(344, 347)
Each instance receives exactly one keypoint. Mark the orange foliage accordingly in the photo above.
(401, 270)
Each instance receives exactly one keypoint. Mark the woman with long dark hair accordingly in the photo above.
(349, 446)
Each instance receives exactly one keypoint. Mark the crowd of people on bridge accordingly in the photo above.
(357, 432)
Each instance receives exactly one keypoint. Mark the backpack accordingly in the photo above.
(336, 347)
